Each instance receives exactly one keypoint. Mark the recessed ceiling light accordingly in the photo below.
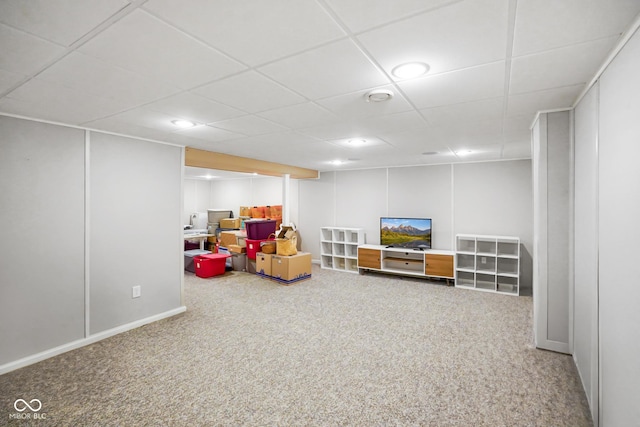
(336, 162)
(356, 142)
(183, 123)
(208, 176)
(410, 70)
(378, 95)
(464, 152)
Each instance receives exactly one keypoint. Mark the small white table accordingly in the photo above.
(200, 237)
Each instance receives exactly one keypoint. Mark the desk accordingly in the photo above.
(200, 237)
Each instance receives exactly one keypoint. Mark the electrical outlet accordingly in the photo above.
(135, 292)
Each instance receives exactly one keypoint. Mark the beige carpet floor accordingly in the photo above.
(339, 349)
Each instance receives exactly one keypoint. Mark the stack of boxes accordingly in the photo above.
(285, 269)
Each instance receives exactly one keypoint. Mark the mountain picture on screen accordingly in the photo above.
(405, 232)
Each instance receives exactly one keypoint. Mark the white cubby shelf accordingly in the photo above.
(339, 248)
(488, 263)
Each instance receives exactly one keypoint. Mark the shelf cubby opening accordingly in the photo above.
(465, 278)
(465, 244)
(507, 285)
(486, 247)
(338, 263)
(351, 250)
(327, 261)
(508, 248)
(486, 281)
(485, 263)
(351, 264)
(338, 235)
(466, 261)
(338, 249)
(327, 234)
(351, 236)
(326, 247)
(508, 266)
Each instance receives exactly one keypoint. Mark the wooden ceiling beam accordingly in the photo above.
(212, 160)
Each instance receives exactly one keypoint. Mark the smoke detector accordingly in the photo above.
(378, 95)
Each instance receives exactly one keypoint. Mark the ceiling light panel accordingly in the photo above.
(476, 31)
(410, 70)
(327, 71)
(254, 32)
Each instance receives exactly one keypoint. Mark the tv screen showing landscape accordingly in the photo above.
(406, 232)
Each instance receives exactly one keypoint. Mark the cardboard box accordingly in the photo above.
(286, 232)
(291, 269)
(230, 223)
(245, 211)
(263, 264)
(228, 238)
(237, 249)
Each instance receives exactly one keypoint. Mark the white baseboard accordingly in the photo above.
(38, 357)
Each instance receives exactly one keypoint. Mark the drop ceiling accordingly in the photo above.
(285, 80)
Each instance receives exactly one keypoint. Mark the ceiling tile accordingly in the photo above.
(471, 84)
(532, 102)
(24, 54)
(360, 15)
(143, 44)
(195, 108)
(62, 22)
(252, 31)
(300, 116)
(475, 30)
(8, 80)
(326, 71)
(209, 133)
(367, 126)
(248, 125)
(250, 92)
(50, 101)
(549, 24)
(97, 78)
(466, 112)
(560, 67)
(111, 124)
(354, 105)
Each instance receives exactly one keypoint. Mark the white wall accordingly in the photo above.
(485, 198)
(41, 237)
(619, 234)
(197, 197)
(135, 235)
(585, 320)
(85, 216)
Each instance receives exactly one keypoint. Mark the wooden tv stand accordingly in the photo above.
(429, 263)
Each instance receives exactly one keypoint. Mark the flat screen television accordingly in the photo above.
(405, 232)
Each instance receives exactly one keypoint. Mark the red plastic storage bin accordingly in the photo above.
(210, 265)
(260, 229)
(253, 247)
